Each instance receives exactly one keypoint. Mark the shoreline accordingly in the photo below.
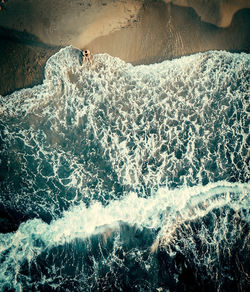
(36, 75)
(151, 33)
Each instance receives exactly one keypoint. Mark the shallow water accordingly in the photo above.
(123, 178)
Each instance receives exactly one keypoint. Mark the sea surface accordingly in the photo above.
(127, 178)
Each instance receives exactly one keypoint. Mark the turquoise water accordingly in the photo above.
(127, 178)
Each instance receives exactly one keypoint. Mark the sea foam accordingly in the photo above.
(114, 166)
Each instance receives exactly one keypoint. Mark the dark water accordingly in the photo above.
(122, 178)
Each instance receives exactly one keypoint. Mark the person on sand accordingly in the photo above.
(86, 56)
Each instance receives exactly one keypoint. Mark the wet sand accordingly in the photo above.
(21, 64)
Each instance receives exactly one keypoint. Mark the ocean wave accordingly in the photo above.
(163, 214)
(108, 167)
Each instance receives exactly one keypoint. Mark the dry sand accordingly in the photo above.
(137, 31)
(217, 12)
(168, 31)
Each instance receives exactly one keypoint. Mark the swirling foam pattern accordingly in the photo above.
(131, 177)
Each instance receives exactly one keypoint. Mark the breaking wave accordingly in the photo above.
(127, 178)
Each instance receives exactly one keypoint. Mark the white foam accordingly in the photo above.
(154, 126)
(134, 111)
(166, 210)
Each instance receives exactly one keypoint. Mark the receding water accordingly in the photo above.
(127, 178)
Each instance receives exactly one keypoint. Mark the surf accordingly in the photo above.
(126, 166)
